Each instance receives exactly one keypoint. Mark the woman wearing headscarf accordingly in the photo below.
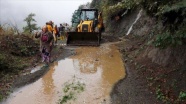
(46, 43)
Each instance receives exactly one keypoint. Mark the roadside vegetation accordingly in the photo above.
(17, 52)
(71, 90)
(158, 53)
(171, 14)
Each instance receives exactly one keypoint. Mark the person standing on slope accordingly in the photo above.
(46, 41)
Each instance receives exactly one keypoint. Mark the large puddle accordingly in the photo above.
(99, 68)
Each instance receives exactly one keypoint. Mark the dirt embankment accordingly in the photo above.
(153, 75)
(133, 89)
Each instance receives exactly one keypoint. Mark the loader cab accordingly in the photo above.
(89, 17)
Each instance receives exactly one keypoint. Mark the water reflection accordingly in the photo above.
(48, 82)
(98, 67)
(104, 64)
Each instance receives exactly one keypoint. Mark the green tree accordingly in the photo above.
(75, 18)
(30, 23)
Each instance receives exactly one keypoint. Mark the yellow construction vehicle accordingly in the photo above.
(88, 30)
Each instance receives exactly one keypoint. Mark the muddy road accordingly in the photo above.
(98, 69)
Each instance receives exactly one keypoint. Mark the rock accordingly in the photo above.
(92, 71)
(139, 44)
(96, 60)
(111, 55)
(131, 61)
(75, 53)
(125, 60)
(61, 47)
(35, 65)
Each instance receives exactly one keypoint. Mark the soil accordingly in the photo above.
(147, 82)
(133, 89)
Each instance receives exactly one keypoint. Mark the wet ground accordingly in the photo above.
(99, 68)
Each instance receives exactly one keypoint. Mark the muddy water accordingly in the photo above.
(99, 68)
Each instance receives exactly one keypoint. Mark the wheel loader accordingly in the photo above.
(88, 30)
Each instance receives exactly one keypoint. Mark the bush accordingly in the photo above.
(112, 10)
(182, 95)
(172, 14)
(9, 63)
(15, 51)
(20, 45)
(167, 38)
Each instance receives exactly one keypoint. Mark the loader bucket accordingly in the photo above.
(83, 38)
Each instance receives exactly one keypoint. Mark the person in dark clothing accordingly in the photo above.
(61, 30)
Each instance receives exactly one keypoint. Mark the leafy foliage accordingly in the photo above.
(21, 45)
(98, 4)
(125, 4)
(113, 7)
(172, 14)
(11, 63)
(182, 95)
(9, 29)
(14, 51)
(30, 26)
(171, 37)
(71, 89)
(75, 18)
(1, 97)
(160, 95)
